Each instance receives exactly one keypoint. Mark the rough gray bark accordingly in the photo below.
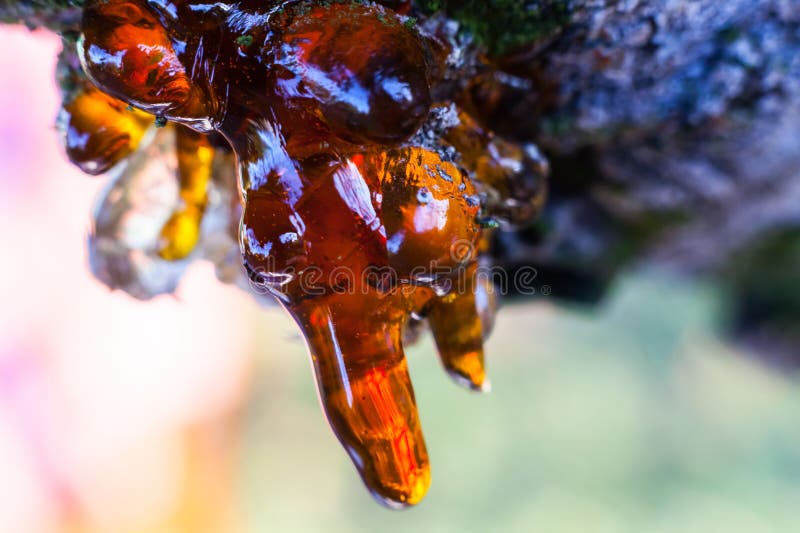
(674, 129)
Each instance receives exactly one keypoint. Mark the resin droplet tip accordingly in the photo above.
(474, 383)
(467, 370)
(399, 498)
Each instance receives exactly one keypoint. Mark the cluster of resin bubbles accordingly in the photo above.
(336, 151)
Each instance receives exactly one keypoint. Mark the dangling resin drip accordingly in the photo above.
(181, 232)
(344, 244)
(359, 232)
(460, 322)
(363, 381)
(100, 131)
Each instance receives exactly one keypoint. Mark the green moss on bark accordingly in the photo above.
(502, 25)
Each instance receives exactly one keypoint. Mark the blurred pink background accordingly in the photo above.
(104, 402)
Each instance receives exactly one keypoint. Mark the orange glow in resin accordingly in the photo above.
(358, 232)
(363, 382)
(101, 131)
(181, 232)
(460, 322)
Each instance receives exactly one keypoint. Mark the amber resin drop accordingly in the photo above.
(361, 227)
(101, 131)
(195, 161)
(460, 321)
(363, 381)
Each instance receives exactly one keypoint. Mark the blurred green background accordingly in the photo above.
(634, 417)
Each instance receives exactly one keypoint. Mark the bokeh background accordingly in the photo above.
(197, 413)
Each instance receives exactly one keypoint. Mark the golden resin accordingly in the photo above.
(101, 131)
(359, 233)
(181, 232)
